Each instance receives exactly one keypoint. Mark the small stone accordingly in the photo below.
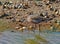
(12, 31)
(0, 3)
(55, 21)
(59, 11)
(17, 20)
(10, 2)
(21, 29)
(45, 16)
(22, 20)
(52, 0)
(57, 1)
(48, 2)
(51, 9)
(13, 20)
(17, 27)
(41, 15)
(39, 4)
(51, 27)
(56, 11)
(53, 16)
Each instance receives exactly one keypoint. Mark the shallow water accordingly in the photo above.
(53, 38)
(9, 37)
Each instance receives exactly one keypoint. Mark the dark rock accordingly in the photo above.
(22, 20)
(0, 3)
(55, 21)
(57, 1)
(41, 15)
(4, 6)
(47, 4)
(56, 10)
(13, 20)
(4, 15)
(24, 7)
(12, 31)
(9, 17)
(8, 3)
(53, 16)
(47, 17)
(52, 0)
(51, 9)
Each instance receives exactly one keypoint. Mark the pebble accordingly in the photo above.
(13, 20)
(17, 20)
(22, 28)
(56, 12)
(0, 3)
(59, 11)
(38, 3)
(52, 0)
(51, 9)
(12, 31)
(17, 27)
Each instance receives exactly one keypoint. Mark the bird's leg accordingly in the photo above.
(39, 29)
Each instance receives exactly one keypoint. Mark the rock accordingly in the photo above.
(13, 20)
(52, 9)
(4, 6)
(9, 17)
(53, 15)
(55, 21)
(18, 6)
(12, 31)
(48, 2)
(0, 3)
(22, 20)
(57, 1)
(17, 28)
(38, 3)
(56, 12)
(20, 29)
(17, 20)
(52, 0)
(25, 7)
(24, 27)
(10, 2)
(43, 14)
(58, 22)
(4, 15)
(59, 11)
